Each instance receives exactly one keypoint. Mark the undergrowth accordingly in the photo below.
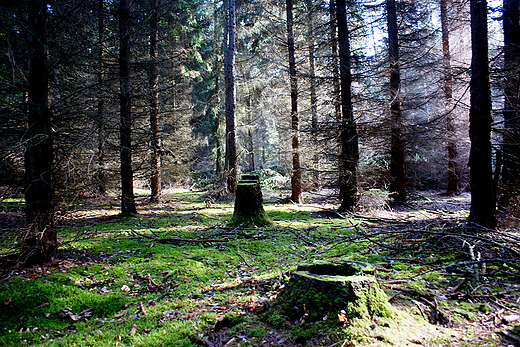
(175, 275)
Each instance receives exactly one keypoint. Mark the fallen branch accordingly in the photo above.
(163, 294)
(175, 239)
(511, 336)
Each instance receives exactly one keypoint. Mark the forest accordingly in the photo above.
(180, 173)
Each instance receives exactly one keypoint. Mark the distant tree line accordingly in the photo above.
(104, 95)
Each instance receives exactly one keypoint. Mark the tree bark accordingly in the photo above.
(511, 136)
(215, 103)
(125, 130)
(451, 146)
(40, 240)
(336, 80)
(313, 94)
(397, 147)
(218, 141)
(482, 211)
(231, 160)
(101, 182)
(155, 140)
(296, 179)
(250, 133)
(335, 63)
(349, 152)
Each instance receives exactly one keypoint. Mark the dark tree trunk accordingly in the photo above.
(397, 147)
(215, 104)
(296, 179)
(250, 133)
(511, 137)
(349, 153)
(451, 146)
(39, 241)
(231, 159)
(101, 161)
(483, 208)
(313, 93)
(218, 144)
(312, 65)
(336, 80)
(335, 64)
(155, 140)
(125, 129)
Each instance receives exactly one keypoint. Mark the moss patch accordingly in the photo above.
(259, 219)
(318, 290)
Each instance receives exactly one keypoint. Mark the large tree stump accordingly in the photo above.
(328, 289)
(249, 209)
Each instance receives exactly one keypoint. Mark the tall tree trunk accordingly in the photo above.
(451, 146)
(218, 139)
(231, 159)
(296, 180)
(397, 147)
(215, 103)
(313, 94)
(125, 130)
(312, 65)
(39, 241)
(250, 132)
(101, 182)
(335, 63)
(482, 211)
(511, 137)
(349, 154)
(155, 140)
(336, 81)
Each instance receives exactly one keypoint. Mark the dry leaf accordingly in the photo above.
(105, 290)
(169, 314)
(510, 318)
(231, 342)
(141, 307)
(133, 329)
(343, 319)
(120, 314)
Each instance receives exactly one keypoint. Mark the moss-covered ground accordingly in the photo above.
(175, 275)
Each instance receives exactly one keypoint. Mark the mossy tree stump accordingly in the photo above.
(327, 288)
(249, 209)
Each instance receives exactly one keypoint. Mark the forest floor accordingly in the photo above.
(175, 275)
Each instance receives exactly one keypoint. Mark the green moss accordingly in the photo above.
(484, 308)
(12, 203)
(310, 297)
(472, 311)
(515, 330)
(304, 332)
(259, 219)
(206, 280)
(276, 319)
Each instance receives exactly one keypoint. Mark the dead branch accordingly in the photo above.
(178, 240)
(164, 240)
